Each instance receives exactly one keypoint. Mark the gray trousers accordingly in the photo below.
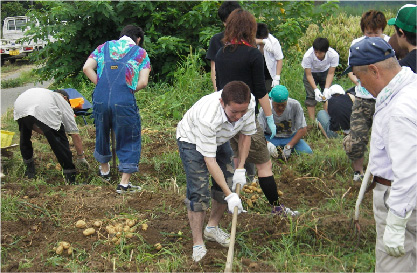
(385, 262)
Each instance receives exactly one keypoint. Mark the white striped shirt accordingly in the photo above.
(206, 125)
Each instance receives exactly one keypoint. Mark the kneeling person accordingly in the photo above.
(290, 121)
(203, 140)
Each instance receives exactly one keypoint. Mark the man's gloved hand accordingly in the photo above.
(318, 96)
(287, 152)
(239, 177)
(394, 234)
(271, 125)
(233, 200)
(272, 149)
(82, 163)
(275, 80)
(326, 93)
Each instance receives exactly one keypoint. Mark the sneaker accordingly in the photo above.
(104, 175)
(357, 176)
(199, 252)
(30, 170)
(129, 188)
(283, 211)
(218, 235)
(70, 178)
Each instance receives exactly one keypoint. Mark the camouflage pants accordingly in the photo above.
(355, 143)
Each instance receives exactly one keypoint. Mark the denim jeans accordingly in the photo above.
(300, 147)
(324, 119)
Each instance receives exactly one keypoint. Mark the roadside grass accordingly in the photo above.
(25, 77)
(305, 247)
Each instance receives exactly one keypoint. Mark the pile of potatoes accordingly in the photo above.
(63, 246)
(254, 193)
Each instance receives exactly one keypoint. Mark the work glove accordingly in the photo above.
(267, 45)
(326, 93)
(239, 177)
(82, 163)
(287, 152)
(275, 80)
(233, 201)
(272, 149)
(271, 125)
(318, 96)
(394, 234)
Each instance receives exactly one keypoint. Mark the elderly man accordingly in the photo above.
(393, 155)
(49, 113)
(202, 137)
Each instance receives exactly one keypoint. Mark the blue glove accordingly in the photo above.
(271, 125)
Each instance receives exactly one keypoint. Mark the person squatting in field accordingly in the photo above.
(123, 68)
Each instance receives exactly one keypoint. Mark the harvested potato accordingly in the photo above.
(59, 250)
(254, 197)
(254, 184)
(58, 167)
(252, 188)
(130, 222)
(70, 251)
(80, 224)
(126, 228)
(259, 190)
(133, 229)
(144, 226)
(118, 234)
(129, 235)
(89, 231)
(119, 227)
(158, 246)
(97, 224)
(249, 202)
(65, 245)
(245, 187)
(280, 193)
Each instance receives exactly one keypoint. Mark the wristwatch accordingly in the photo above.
(287, 146)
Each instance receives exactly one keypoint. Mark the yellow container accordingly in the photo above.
(77, 103)
(6, 138)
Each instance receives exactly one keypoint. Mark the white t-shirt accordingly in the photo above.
(206, 125)
(331, 59)
(46, 106)
(361, 92)
(272, 53)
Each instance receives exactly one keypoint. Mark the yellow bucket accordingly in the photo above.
(6, 138)
(77, 103)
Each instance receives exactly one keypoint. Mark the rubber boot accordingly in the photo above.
(30, 170)
(70, 178)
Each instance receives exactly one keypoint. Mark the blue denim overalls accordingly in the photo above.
(114, 106)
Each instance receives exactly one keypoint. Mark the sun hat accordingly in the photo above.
(279, 93)
(369, 50)
(336, 89)
(406, 18)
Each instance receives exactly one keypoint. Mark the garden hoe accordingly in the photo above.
(230, 254)
(362, 191)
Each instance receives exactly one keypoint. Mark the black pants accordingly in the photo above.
(57, 140)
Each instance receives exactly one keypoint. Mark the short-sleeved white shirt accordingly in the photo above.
(206, 125)
(46, 106)
(331, 59)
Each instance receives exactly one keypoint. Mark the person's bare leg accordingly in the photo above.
(322, 130)
(125, 178)
(105, 167)
(311, 112)
(264, 169)
(216, 214)
(196, 219)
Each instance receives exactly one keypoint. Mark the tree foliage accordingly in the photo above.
(171, 27)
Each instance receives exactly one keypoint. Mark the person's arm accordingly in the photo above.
(352, 97)
(299, 135)
(266, 105)
(243, 146)
(310, 78)
(213, 74)
(143, 79)
(330, 76)
(217, 174)
(78, 145)
(326, 105)
(279, 66)
(353, 78)
(89, 69)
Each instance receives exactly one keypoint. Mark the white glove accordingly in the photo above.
(327, 93)
(275, 80)
(318, 96)
(239, 177)
(267, 45)
(272, 149)
(233, 201)
(82, 163)
(287, 152)
(394, 234)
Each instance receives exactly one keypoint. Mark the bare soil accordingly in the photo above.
(49, 213)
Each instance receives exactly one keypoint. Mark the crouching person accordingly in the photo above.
(49, 113)
(203, 141)
(290, 121)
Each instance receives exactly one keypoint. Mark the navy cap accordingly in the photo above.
(369, 50)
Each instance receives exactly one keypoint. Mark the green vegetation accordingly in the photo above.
(25, 77)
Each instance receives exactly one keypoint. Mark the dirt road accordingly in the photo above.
(9, 95)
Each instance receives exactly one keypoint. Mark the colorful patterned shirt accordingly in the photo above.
(118, 49)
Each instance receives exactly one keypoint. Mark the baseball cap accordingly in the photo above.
(279, 93)
(336, 89)
(369, 50)
(406, 18)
